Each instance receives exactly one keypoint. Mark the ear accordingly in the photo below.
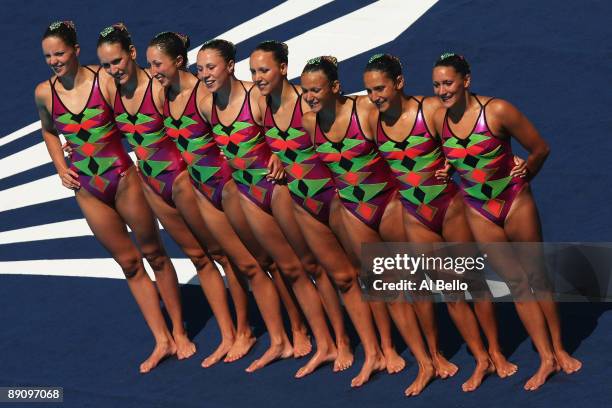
(335, 87)
(179, 61)
(283, 69)
(230, 67)
(132, 52)
(467, 80)
(399, 83)
(77, 49)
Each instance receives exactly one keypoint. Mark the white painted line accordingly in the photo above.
(56, 230)
(32, 127)
(280, 14)
(91, 268)
(352, 34)
(24, 160)
(39, 191)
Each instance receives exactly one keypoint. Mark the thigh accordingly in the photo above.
(523, 220)
(133, 207)
(107, 226)
(392, 219)
(455, 227)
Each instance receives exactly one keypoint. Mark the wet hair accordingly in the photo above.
(387, 63)
(277, 48)
(227, 49)
(172, 44)
(325, 63)
(64, 30)
(116, 34)
(450, 59)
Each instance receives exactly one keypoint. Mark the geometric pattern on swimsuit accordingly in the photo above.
(484, 163)
(414, 162)
(308, 178)
(208, 170)
(159, 160)
(243, 143)
(98, 156)
(363, 179)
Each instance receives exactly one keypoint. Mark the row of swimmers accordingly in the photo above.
(280, 185)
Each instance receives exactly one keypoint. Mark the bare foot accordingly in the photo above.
(393, 361)
(547, 367)
(282, 350)
(443, 367)
(503, 367)
(184, 347)
(425, 375)
(301, 344)
(345, 357)
(483, 368)
(160, 352)
(567, 363)
(240, 348)
(218, 354)
(319, 358)
(371, 365)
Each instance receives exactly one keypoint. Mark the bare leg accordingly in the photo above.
(110, 230)
(274, 242)
(528, 309)
(210, 277)
(523, 224)
(286, 219)
(167, 281)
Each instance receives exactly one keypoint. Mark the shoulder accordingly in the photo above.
(430, 103)
(42, 92)
(364, 104)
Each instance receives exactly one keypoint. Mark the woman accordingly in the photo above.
(314, 195)
(215, 192)
(433, 209)
(107, 189)
(236, 122)
(368, 193)
(476, 132)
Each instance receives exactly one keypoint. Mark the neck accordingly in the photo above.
(281, 95)
(231, 86)
(329, 113)
(176, 84)
(457, 111)
(396, 108)
(132, 83)
(70, 79)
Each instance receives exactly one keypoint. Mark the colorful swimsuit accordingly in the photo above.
(244, 145)
(362, 177)
(484, 163)
(209, 171)
(414, 162)
(158, 158)
(98, 156)
(309, 180)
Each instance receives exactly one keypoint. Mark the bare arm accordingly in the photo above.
(42, 98)
(512, 122)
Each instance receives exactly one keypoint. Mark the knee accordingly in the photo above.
(131, 265)
(519, 288)
(249, 269)
(200, 260)
(344, 280)
(292, 271)
(219, 257)
(156, 258)
(313, 270)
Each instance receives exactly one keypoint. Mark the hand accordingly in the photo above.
(70, 179)
(68, 150)
(276, 171)
(520, 168)
(444, 173)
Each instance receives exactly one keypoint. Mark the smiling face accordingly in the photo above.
(59, 56)
(163, 67)
(381, 89)
(266, 72)
(213, 70)
(317, 91)
(117, 62)
(449, 85)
